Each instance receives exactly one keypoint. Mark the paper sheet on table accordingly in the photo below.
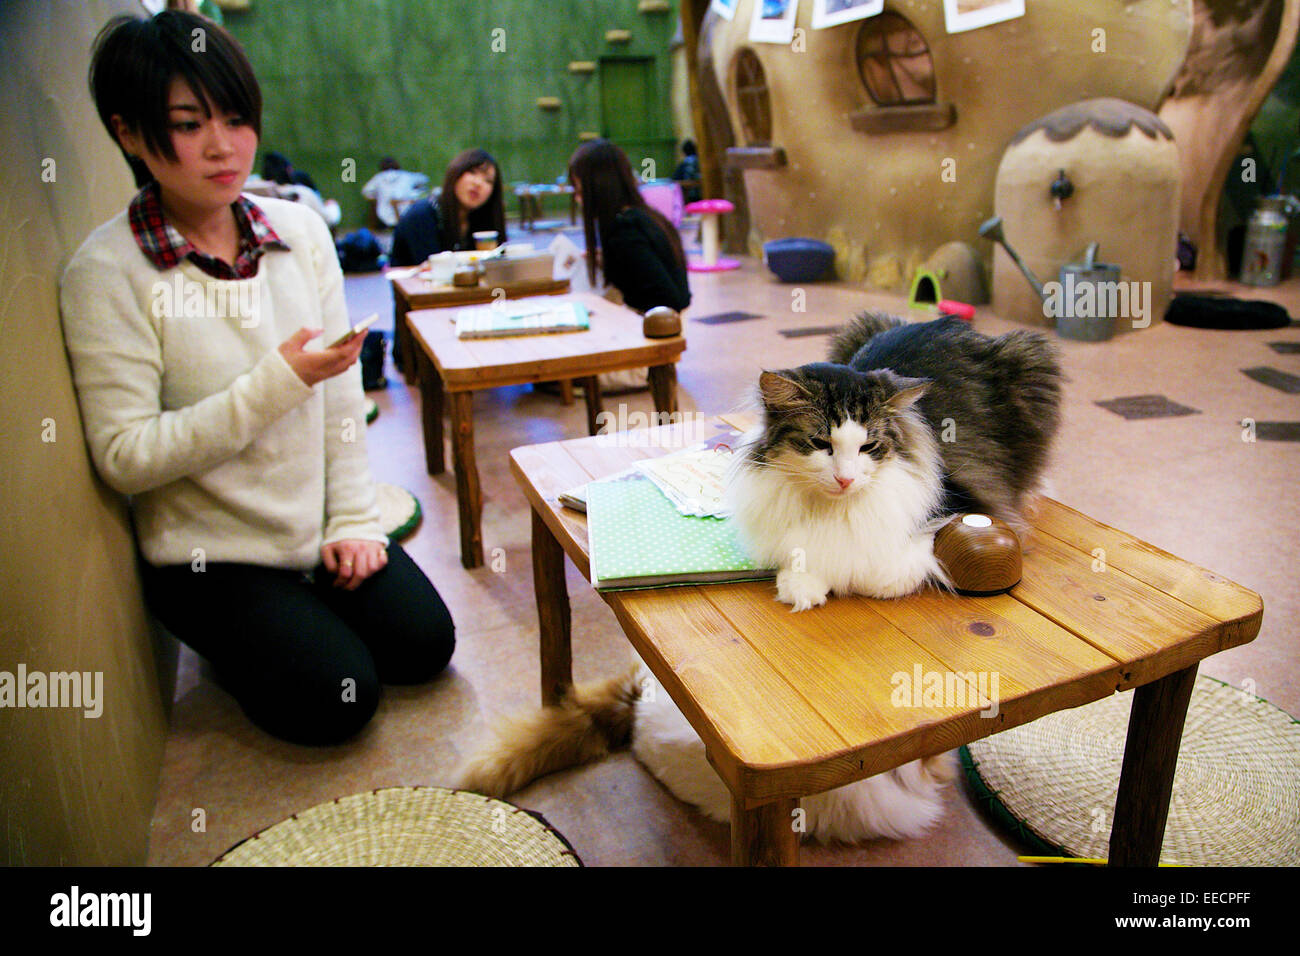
(567, 257)
(693, 480)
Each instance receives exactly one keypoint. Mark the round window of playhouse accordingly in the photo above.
(894, 61)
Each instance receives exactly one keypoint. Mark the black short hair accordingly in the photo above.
(133, 62)
(277, 168)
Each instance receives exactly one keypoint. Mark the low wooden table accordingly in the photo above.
(452, 369)
(411, 292)
(530, 201)
(794, 704)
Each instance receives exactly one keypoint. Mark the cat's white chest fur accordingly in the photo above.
(871, 538)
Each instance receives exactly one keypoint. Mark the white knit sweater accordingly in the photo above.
(189, 407)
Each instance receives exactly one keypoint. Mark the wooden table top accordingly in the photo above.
(830, 695)
(420, 293)
(613, 343)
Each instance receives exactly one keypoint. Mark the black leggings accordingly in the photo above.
(305, 659)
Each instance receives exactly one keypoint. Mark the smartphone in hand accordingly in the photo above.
(356, 330)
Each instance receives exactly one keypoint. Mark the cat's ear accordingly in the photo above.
(909, 392)
(780, 393)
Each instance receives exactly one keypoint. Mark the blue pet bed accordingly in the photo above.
(798, 260)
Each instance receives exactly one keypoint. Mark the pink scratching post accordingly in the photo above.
(710, 209)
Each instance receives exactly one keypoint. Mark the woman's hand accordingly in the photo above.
(353, 560)
(316, 366)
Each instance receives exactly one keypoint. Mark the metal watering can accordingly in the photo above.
(1074, 276)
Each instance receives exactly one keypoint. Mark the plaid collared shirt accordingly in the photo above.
(165, 247)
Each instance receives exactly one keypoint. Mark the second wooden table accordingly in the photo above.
(452, 369)
(411, 292)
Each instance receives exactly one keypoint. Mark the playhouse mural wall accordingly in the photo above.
(883, 136)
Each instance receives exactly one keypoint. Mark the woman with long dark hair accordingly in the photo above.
(471, 201)
(640, 252)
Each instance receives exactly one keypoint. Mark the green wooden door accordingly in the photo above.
(631, 116)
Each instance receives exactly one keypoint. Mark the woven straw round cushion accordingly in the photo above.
(1235, 800)
(407, 826)
(399, 510)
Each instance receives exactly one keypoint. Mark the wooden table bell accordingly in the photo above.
(981, 554)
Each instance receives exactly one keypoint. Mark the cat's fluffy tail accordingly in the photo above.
(861, 329)
(590, 722)
(904, 803)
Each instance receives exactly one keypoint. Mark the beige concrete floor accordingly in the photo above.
(1189, 485)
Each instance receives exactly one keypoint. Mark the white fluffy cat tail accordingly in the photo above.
(901, 804)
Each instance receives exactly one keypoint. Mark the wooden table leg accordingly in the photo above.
(1146, 780)
(566, 391)
(402, 333)
(431, 411)
(764, 836)
(595, 404)
(552, 596)
(663, 387)
(469, 496)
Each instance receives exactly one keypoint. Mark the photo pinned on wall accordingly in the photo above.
(830, 13)
(724, 8)
(773, 21)
(961, 15)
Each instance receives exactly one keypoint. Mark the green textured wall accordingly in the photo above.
(420, 80)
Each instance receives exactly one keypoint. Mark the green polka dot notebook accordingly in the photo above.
(637, 538)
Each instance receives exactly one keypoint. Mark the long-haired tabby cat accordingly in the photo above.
(858, 461)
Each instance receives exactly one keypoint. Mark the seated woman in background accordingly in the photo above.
(292, 183)
(392, 189)
(277, 168)
(640, 252)
(240, 440)
(471, 201)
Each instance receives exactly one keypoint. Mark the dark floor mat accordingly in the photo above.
(721, 318)
(1225, 312)
(1274, 378)
(1135, 407)
(1277, 431)
(812, 330)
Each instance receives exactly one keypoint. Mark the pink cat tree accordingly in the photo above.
(710, 210)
